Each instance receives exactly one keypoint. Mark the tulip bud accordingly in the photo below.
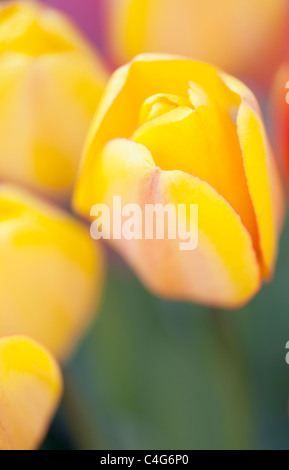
(50, 84)
(51, 272)
(192, 135)
(30, 390)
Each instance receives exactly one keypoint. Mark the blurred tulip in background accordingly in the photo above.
(245, 37)
(51, 80)
(51, 272)
(30, 390)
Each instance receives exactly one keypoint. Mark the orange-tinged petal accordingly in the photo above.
(222, 271)
(252, 139)
(263, 179)
(51, 272)
(30, 390)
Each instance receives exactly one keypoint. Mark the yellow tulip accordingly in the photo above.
(30, 390)
(50, 84)
(172, 130)
(242, 36)
(51, 272)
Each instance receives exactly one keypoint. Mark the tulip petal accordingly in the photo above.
(215, 273)
(262, 175)
(252, 142)
(201, 142)
(30, 390)
(51, 272)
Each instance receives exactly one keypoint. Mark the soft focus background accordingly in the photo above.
(88, 14)
(158, 375)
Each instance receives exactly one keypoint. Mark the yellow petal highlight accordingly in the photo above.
(50, 83)
(51, 272)
(30, 390)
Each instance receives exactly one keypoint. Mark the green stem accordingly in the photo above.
(237, 394)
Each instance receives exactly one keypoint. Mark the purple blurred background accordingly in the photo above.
(88, 14)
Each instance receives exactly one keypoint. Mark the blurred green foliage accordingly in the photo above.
(159, 375)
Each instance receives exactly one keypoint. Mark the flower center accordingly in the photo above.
(160, 104)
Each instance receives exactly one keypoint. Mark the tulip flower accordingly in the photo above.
(244, 37)
(30, 390)
(280, 116)
(51, 272)
(175, 131)
(50, 83)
